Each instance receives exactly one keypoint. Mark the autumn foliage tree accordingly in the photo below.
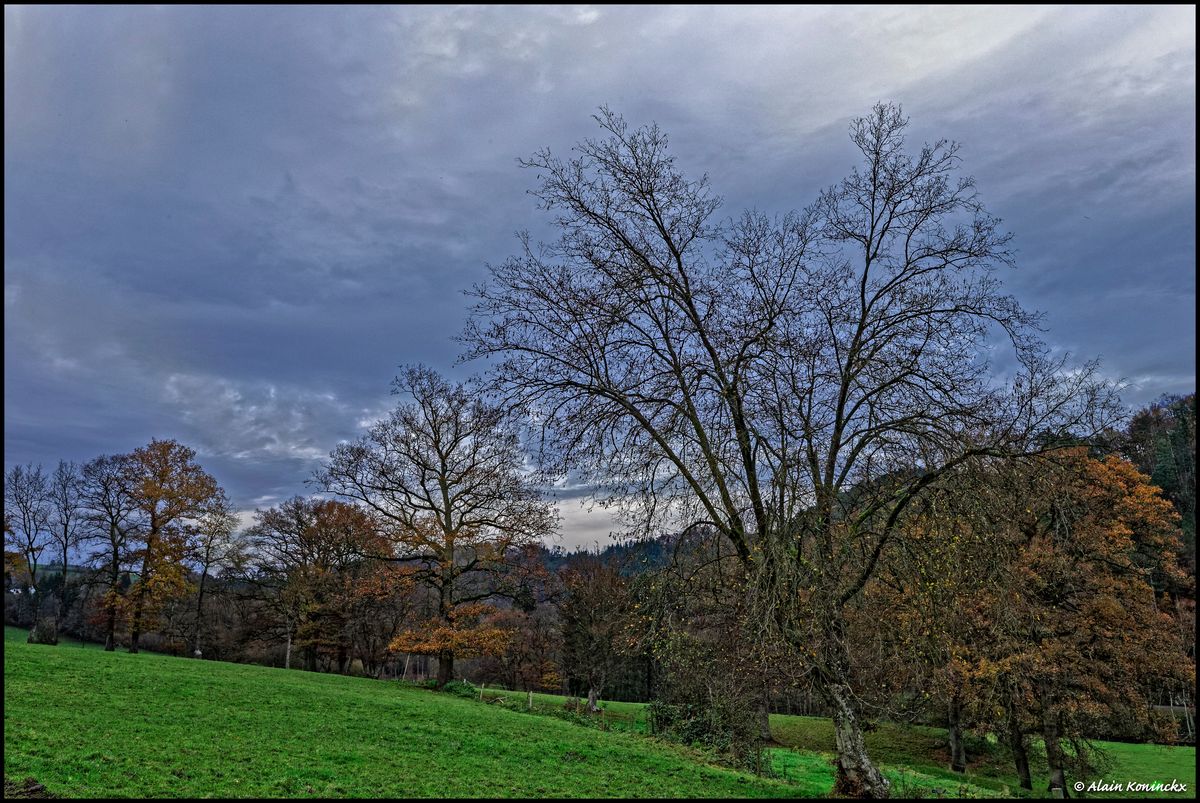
(310, 556)
(531, 658)
(377, 600)
(1087, 635)
(442, 474)
(914, 626)
(169, 492)
(1032, 591)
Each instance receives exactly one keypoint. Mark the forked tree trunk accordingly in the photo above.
(593, 699)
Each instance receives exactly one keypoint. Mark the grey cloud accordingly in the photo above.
(203, 204)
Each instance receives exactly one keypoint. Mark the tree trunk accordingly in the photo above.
(1016, 743)
(199, 614)
(1054, 752)
(763, 714)
(958, 751)
(62, 595)
(855, 774)
(135, 627)
(592, 700)
(445, 607)
(445, 668)
(110, 630)
(114, 578)
(135, 630)
(287, 653)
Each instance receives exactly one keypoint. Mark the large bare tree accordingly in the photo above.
(66, 519)
(215, 546)
(27, 512)
(110, 516)
(795, 381)
(445, 474)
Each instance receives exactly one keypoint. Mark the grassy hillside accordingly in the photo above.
(916, 759)
(88, 723)
(923, 750)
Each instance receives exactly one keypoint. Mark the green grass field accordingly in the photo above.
(86, 723)
(915, 757)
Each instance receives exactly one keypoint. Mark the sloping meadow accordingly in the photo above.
(86, 723)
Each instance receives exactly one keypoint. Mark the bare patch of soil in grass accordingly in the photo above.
(28, 788)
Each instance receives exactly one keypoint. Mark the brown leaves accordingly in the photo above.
(464, 634)
(170, 492)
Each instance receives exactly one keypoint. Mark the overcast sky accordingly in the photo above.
(230, 226)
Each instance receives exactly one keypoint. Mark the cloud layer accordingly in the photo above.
(230, 225)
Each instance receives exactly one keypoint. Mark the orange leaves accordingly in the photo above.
(167, 482)
(14, 562)
(462, 635)
(1038, 585)
(171, 492)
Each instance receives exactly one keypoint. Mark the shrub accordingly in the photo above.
(45, 631)
(462, 688)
